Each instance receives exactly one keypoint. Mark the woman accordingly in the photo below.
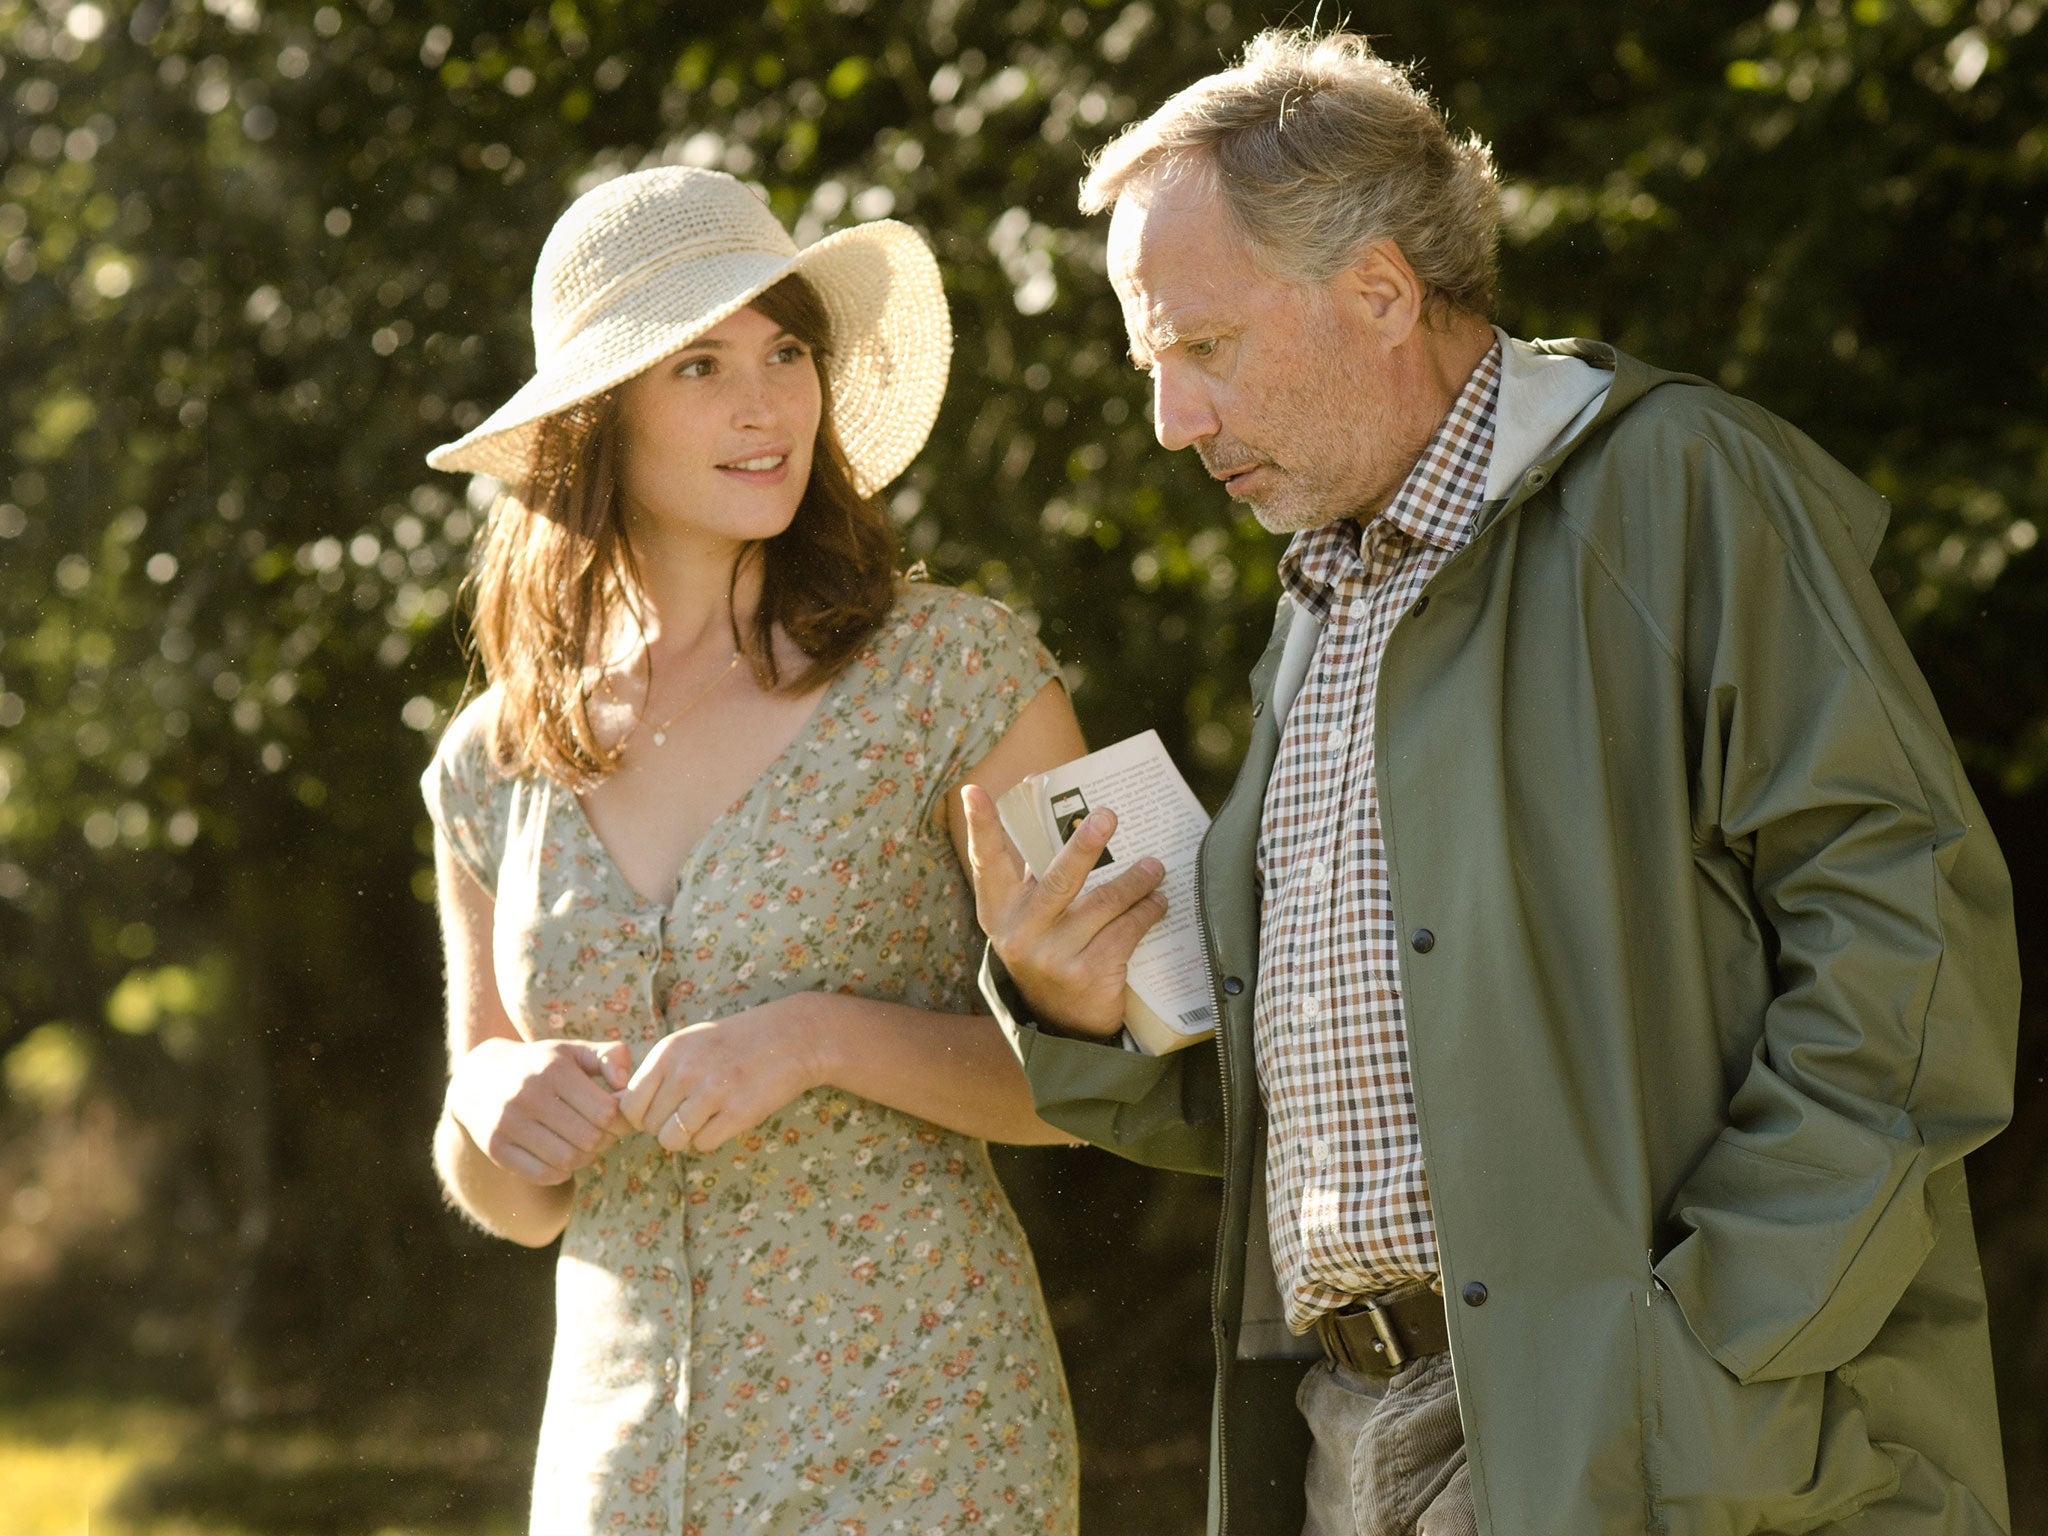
(710, 948)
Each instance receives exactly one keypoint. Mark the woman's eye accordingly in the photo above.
(792, 353)
(695, 368)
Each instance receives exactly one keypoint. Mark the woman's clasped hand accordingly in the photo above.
(707, 1083)
(541, 1109)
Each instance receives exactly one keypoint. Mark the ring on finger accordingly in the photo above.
(689, 1135)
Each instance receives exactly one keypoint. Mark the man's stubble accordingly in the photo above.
(1339, 441)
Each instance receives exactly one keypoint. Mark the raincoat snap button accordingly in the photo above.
(1422, 941)
(1537, 477)
(1474, 1294)
(1233, 985)
(1421, 603)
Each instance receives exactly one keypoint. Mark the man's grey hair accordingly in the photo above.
(1320, 148)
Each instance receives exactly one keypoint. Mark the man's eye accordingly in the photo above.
(1201, 348)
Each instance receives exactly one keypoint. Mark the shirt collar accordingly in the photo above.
(1435, 505)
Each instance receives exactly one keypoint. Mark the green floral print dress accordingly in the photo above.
(831, 1323)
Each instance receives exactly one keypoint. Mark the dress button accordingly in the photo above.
(1422, 941)
(1474, 1294)
(1233, 985)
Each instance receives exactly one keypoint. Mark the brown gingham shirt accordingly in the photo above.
(1345, 1187)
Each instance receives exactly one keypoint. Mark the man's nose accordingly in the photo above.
(1182, 414)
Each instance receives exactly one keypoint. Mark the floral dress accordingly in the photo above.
(831, 1323)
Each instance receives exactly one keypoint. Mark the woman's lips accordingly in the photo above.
(758, 469)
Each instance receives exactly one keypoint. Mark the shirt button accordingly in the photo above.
(1319, 872)
(1358, 608)
(1336, 741)
(1319, 1150)
(1422, 941)
(1311, 1007)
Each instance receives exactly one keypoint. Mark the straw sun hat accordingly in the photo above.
(643, 265)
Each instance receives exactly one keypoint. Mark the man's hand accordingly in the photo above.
(705, 1084)
(541, 1109)
(1068, 957)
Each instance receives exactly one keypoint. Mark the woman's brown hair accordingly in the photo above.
(554, 573)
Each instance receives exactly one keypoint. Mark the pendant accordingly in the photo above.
(661, 738)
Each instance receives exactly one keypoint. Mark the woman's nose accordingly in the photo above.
(754, 404)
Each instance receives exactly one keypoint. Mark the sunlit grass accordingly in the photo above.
(62, 1464)
(90, 1468)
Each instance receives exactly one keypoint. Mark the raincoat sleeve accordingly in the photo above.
(1887, 1051)
(1164, 1111)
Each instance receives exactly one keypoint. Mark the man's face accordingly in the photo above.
(1289, 394)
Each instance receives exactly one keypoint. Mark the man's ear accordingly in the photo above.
(1385, 294)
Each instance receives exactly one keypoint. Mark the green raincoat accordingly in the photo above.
(1723, 988)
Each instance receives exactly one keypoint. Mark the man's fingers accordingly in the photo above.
(1117, 939)
(993, 861)
(1070, 867)
(1113, 898)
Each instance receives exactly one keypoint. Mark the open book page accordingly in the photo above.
(1169, 1004)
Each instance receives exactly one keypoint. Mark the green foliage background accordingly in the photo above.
(256, 258)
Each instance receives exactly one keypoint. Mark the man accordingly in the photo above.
(1613, 963)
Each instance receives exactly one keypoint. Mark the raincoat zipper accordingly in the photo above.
(1222, 1228)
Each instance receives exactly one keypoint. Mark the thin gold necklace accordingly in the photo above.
(659, 735)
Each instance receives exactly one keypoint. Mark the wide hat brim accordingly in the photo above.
(891, 341)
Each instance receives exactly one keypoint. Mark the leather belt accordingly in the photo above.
(1378, 1336)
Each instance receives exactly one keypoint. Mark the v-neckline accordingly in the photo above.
(691, 855)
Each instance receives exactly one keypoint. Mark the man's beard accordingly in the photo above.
(1339, 453)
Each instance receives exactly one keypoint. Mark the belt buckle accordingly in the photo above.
(1387, 1341)
(1388, 1353)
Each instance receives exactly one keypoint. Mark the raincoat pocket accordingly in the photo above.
(1723, 1458)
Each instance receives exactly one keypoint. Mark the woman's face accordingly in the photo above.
(717, 438)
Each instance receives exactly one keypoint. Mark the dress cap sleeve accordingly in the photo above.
(466, 796)
(982, 664)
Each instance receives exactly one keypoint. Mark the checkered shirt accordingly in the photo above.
(1345, 1187)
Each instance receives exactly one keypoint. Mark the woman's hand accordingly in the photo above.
(701, 1086)
(541, 1109)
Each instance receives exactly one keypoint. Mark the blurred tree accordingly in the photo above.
(256, 258)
